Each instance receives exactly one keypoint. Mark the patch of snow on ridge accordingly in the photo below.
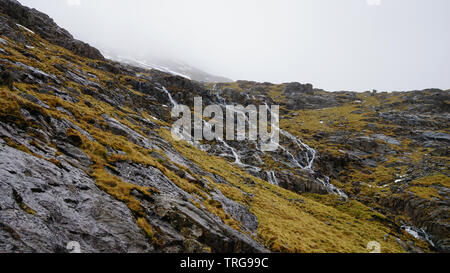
(141, 63)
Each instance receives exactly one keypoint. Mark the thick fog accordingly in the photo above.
(334, 44)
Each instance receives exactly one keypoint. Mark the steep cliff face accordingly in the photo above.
(86, 155)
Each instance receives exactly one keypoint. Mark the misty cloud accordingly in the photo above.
(336, 45)
(71, 3)
(374, 2)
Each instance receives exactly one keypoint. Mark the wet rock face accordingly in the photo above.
(47, 206)
(186, 226)
(55, 195)
(237, 211)
(57, 206)
(42, 25)
(171, 213)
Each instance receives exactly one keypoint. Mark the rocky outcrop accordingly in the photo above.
(429, 215)
(44, 207)
(51, 202)
(298, 88)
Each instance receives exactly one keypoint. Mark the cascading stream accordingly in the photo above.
(271, 177)
(174, 103)
(332, 188)
(233, 150)
(418, 233)
(311, 155)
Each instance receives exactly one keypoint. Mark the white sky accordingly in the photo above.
(334, 44)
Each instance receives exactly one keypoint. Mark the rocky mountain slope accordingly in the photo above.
(86, 155)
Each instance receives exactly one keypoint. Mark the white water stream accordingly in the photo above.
(418, 233)
(174, 103)
(310, 155)
(272, 178)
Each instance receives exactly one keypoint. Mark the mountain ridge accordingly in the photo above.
(178, 68)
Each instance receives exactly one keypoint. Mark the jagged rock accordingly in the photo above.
(424, 214)
(364, 143)
(6, 77)
(310, 102)
(389, 140)
(149, 176)
(436, 136)
(66, 205)
(120, 129)
(60, 127)
(34, 100)
(300, 184)
(38, 74)
(210, 230)
(369, 163)
(298, 88)
(75, 153)
(82, 80)
(237, 211)
(200, 226)
(334, 164)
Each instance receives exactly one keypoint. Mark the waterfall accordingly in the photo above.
(332, 188)
(174, 103)
(233, 150)
(294, 160)
(219, 98)
(310, 155)
(237, 158)
(418, 233)
(271, 178)
(310, 152)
